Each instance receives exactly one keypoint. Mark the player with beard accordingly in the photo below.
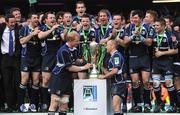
(30, 63)
(51, 41)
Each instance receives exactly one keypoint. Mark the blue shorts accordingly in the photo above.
(176, 70)
(31, 64)
(138, 64)
(164, 67)
(48, 62)
(61, 84)
(118, 89)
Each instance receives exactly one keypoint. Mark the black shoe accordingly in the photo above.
(44, 108)
(124, 109)
(2, 108)
(158, 108)
(177, 109)
(8, 110)
(147, 109)
(136, 109)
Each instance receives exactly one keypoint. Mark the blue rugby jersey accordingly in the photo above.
(86, 36)
(52, 42)
(65, 57)
(33, 46)
(116, 61)
(165, 43)
(137, 47)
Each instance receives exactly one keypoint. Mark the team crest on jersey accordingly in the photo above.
(46, 68)
(25, 68)
(116, 60)
(143, 32)
(58, 92)
(92, 34)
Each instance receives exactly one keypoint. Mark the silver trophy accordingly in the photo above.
(94, 55)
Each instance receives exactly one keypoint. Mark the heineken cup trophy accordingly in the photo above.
(93, 46)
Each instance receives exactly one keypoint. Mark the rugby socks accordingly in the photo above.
(51, 113)
(61, 113)
(125, 98)
(172, 93)
(45, 95)
(146, 96)
(136, 91)
(178, 98)
(118, 113)
(34, 95)
(157, 92)
(21, 94)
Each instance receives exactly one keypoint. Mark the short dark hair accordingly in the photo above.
(80, 2)
(2, 16)
(104, 11)
(169, 17)
(66, 12)
(60, 13)
(161, 21)
(8, 16)
(14, 9)
(122, 17)
(138, 12)
(153, 13)
(46, 14)
(86, 16)
(30, 15)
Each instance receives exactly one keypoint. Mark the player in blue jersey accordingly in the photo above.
(87, 35)
(30, 63)
(139, 59)
(51, 41)
(163, 49)
(114, 73)
(61, 81)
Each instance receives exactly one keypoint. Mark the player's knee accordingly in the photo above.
(146, 84)
(156, 83)
(135, 84)
(169, 80)
(45, 81)
(169, 83)
(64, 103)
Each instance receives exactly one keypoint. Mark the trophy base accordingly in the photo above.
(95, 76)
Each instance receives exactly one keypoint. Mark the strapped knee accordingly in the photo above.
(64, 100)
(135, 84)
(156, 81)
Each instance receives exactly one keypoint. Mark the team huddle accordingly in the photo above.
(50, 50)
